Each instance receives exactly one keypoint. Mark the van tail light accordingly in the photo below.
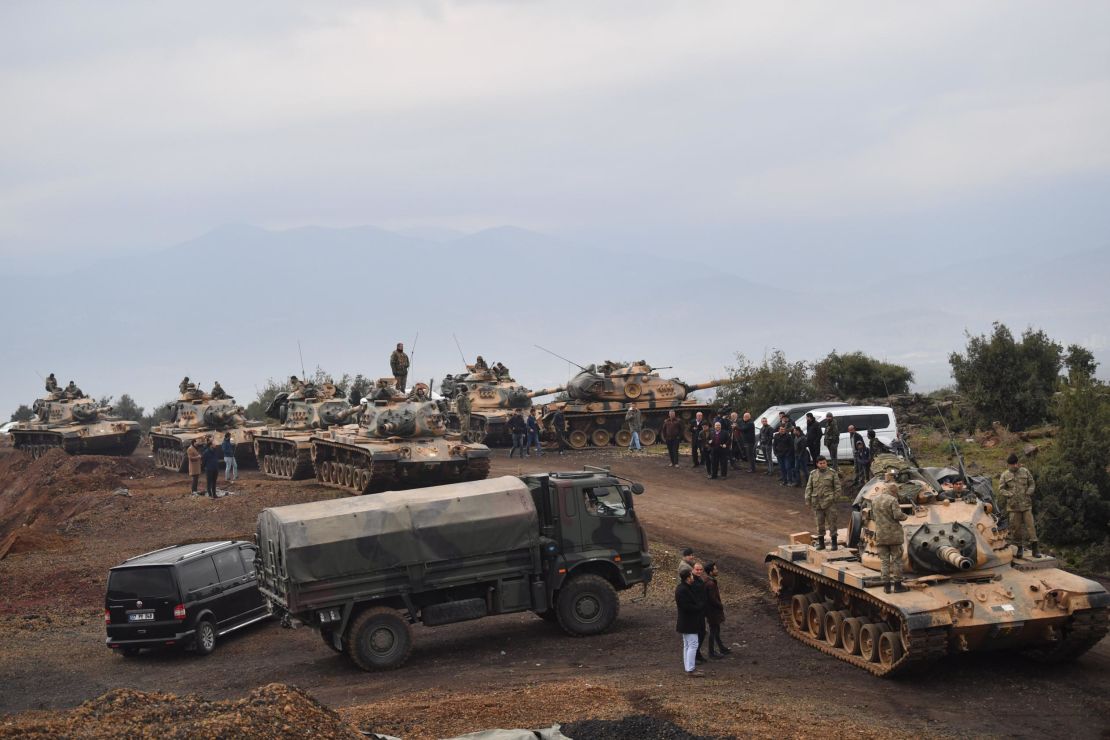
(179, 611)
(107, 616)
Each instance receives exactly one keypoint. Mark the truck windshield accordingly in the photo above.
(605, 501)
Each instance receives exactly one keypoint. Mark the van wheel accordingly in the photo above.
(379, 639)
(587, 605)
(327, 637)
(206, 637)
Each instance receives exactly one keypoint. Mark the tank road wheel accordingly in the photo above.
(577, 439)
(834, 622)
(379, 639)
(647, 437)
(587, 605)
(799, 608)
(890, 648)
(624, 438)
(849, 634)
(815, 620)
(781, 581)
(632, 390)
(325, 471)
(600, 437)
(363, 480)
(869, 636)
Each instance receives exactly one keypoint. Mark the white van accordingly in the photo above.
(879, 418)
(795, 412)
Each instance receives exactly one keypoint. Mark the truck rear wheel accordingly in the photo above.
(379, 639)
(587, 605)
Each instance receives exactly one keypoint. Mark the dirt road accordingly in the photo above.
(53, 654)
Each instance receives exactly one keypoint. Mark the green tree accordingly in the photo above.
(1007, 380)
(774, 381)
(856, 375)
(23, 413)
(1073, 485)
(1080, 363)
(160, 414)
(126, 408)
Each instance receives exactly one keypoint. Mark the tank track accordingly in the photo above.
(39, 443)
(38, 447)
(476, 469)
(357, 479)
(285, 460)
(1083, 632)
(170, 457)
(921, 647)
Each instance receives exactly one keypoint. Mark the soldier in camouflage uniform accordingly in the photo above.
(889, 538)
(1015, 488)
(51, 383)
(822, 491)
(183, 386)
(832, 438)
(399, 365)
(218, 392)
(462, 408)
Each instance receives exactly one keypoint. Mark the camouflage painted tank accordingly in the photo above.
(198, 415)
(599, 398)
(286, 452)
(492, 400)
(967, 592)
(78, 425)
(398, 443)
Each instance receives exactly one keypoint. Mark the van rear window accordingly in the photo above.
(141, 583)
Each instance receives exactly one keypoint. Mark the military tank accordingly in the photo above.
(198, 415)
(286, 452)
(398, 442)
(966, 592)
(599, 398)
(492, 401)
(76, 424)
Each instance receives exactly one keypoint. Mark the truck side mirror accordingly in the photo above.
(637, 488)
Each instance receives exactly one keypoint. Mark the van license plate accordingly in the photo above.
(141, 617)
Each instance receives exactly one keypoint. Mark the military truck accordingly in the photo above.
(492, 401)
(967, 590)
(363, 570)
(198, 415)
(286, 452)
(77, 424)
(599, 397)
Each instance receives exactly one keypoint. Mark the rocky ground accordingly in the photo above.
(65, 521)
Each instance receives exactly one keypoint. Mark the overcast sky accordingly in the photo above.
(136, 125)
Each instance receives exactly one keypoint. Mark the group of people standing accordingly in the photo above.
(525, 431)
(698, 599)
(207, 457)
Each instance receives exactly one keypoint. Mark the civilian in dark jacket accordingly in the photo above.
(783, 445)
(699, 592)
(801, 458)
(718, 451)
(533, 435)
(211, 460)
(671, 432)
(747, 439)
(559, 425)
(875, 445)
(862, 459)
(519, 431)
(766, 443)
(714, 612)
(696, 428)
(813, 436)
(691, 617)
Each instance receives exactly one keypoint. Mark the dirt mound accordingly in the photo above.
(636, 727)
(40, 500)
(271, 711)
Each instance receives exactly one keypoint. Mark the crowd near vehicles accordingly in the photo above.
(881, 419)
(492, 401)
(397, 443)
(363, 570)
(599, 397)
(286, 451)
(967, 591)
(198, 415)
(77, 425)
(182, 596)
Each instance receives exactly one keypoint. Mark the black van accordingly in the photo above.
(185, 595)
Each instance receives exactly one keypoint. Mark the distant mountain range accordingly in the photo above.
(231, 306)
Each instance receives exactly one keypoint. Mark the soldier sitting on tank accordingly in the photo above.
(183, 386)
(384, 390)
(72, 391)
(218, 393)
(419, 393)
(479, 365)
(51, 384)
(191, 392)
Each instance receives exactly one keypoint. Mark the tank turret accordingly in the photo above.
(76, 424)
(286, 452)
(493, 397)
(634, 382)
(197, 414)
(967, 591)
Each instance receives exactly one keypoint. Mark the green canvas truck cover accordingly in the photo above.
(326, 540)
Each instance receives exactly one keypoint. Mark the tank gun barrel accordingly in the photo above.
(346, 414)
(707, 384)
(546, 391)
(952, 556)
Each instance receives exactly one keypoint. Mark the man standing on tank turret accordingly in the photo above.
(888, 536)
(822, 491)
(399, 364)
(1015, 488)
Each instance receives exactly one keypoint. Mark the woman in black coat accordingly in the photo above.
(691, 616)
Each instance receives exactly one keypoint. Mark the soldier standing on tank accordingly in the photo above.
(1016, 488)
(462, 409)
(218, 393)
(888, 536)
(635, 422)
(696, 429)
(822, 491)
(399, 365)
(832, 438)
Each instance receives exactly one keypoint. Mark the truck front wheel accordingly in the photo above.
(587, 605)
(379, 639)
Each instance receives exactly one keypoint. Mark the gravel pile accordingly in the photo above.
(271, 711)
(635, 727)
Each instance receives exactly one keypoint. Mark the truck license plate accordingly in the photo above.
(141, 617)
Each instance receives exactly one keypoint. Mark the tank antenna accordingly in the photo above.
(955, 449)
(301, 355)
(457, 345)
(412, 354)
(572, 362)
